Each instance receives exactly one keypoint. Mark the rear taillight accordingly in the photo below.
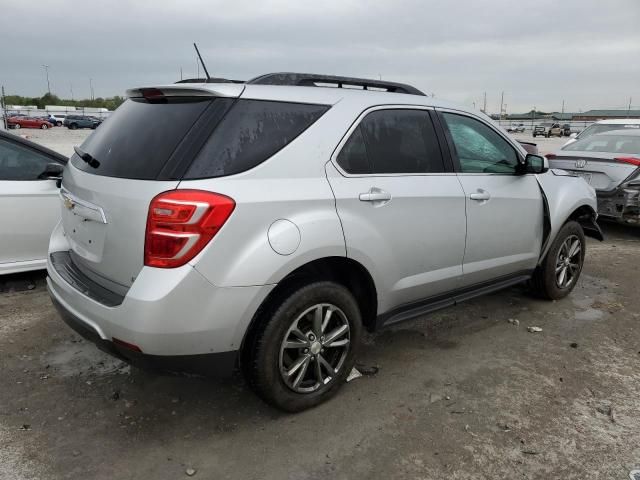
(180, 223)
(551, 156)
(631, 160)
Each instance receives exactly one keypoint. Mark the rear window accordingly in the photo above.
(605, 127)
(250, 133)
(606, 143)
(138, 139)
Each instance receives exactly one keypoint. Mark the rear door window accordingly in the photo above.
(250, 133)
(393, 141)
(138, 139)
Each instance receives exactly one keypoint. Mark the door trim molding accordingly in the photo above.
(431, 304)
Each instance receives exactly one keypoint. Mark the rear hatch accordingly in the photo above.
(603, 171)
(141, 150)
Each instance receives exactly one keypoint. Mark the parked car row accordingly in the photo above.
(72, 122)
(552, 130)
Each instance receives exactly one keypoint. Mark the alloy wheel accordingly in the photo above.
(314, 348)
(568, 261)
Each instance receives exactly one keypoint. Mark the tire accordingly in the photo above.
(16, 126)
(73, 126)
(547, 282)
(58, 124)
(534, 135)
(267, 360)
(43, 126)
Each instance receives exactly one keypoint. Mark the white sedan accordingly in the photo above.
(29, 202)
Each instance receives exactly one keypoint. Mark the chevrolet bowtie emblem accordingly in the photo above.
(68, 203)
(580, 163)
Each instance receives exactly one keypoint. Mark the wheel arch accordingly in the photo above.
(343, 270)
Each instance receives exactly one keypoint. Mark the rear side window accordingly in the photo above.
(138, 139)
(250, 133)
(393, 141)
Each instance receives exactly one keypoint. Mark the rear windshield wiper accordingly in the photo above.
(87, 158)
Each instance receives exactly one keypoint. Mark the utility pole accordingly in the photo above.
(180, 73)
(4, 109)
(563, 106)
(71, 88)
(501, 102)
(484, 108)
(91, 87)
(46, 70)
(629, 108)
(533, 116)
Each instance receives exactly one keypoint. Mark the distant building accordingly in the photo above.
(593, 115)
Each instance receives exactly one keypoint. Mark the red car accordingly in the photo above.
(28, 122)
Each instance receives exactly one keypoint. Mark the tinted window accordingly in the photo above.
(139, 137)
(250, 133)
(401, 141)
(20, 163)
(480, 149)
(353, 156)
(397, 141)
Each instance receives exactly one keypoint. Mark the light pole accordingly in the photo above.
(91, 87)
(46, 70)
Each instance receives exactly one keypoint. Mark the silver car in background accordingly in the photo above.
(264, 224)
(610, 163)
(603, 126)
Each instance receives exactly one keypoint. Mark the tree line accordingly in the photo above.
(50, 99)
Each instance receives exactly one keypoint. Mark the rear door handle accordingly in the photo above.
(480, 196)
(375, 195)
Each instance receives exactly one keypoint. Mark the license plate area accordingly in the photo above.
(584, 175)
(83, 227)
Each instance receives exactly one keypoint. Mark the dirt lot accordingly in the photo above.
(459, 394)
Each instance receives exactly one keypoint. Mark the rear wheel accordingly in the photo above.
(73, 126)
(558, 274)
(17, 125)
(304, 346)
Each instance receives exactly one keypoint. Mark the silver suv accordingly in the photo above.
(264, 224)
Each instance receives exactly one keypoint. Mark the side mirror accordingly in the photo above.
(573, 135)
(536, 164)
(53, 171)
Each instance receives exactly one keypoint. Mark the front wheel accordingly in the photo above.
(558, 274)
(73, 126)
(44, 126)
(304, 346)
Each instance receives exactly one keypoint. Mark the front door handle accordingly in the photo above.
(375, 195)
(480, 196)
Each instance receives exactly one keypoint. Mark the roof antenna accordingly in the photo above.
(201, 61)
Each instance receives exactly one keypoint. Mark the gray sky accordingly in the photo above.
(586, 52)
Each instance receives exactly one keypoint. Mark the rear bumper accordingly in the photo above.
(172, 315)
(620, 204)
(219, 365)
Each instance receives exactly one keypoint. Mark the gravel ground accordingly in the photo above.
(60, 139)
(459, 394)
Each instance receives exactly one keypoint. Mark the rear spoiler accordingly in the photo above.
(229, 90)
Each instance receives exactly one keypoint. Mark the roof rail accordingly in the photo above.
(315, 80)
(209, 80)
